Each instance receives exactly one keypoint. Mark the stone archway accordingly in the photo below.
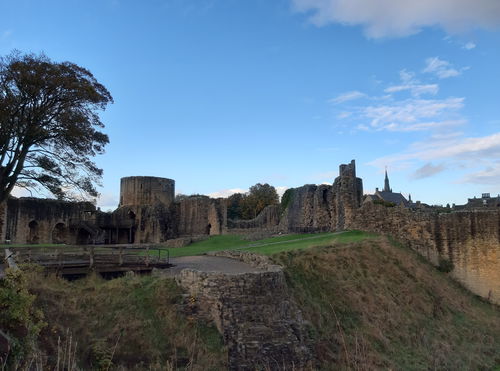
(33, 232)
(60, 233)
(83, 237)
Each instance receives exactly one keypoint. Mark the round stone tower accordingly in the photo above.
(146, 190)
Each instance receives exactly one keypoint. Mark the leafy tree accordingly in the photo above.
(258, 197)
(234, 203)
(49, 125)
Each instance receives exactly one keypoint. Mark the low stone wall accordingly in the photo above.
(261, 326)
(257, 261)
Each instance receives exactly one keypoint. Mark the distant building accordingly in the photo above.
(485, 201)
(388, 195)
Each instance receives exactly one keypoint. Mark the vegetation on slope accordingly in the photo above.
(375, 305)
(371, 303)
(131, 322)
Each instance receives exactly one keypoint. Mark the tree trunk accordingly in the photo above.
(3, 221)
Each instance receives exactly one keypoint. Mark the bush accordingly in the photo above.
(286, 198)
(384, 203)
(445, 265)
(19, 318)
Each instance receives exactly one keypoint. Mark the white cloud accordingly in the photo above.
(227, 192)
(280, 190)
(469, 46)
(453, 151)
(22, 192)
(441, 68)
(490, 175)
(399, 18)
(416, 90)
(344, 115)
(108, 201)
(351, 95)
(411, 84)
(413, 114)
(395, 111)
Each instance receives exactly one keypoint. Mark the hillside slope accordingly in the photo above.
(375, 305)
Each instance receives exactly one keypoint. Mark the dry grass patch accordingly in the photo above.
(132, 322)
(376, 305)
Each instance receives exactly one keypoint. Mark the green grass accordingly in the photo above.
(266, 246)
(299, 242)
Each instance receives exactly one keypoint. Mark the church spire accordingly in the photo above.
(387, 188)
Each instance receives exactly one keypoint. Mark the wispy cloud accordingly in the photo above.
(428, 170)
(490, 175)
(411, 84)
(397, 18)
(402, 107)
(452, 151)
(442, 69)
(345, 97)
(469, 46)
(413, 114)
(4, 35)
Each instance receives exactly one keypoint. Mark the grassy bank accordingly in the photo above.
(130, 323)
(270, 245)
(371, 304)
(374, 305)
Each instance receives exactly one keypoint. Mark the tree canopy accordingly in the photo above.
(49, 126)
(249, 205)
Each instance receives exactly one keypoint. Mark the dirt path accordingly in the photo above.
(210, 264)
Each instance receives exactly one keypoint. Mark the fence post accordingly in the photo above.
(120, 256)
(91, 257)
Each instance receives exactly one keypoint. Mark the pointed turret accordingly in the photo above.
(387, 188)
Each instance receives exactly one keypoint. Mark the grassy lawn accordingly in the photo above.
(268, 246)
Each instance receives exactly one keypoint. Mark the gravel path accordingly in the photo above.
(210, 264)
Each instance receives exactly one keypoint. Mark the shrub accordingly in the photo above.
(19, 318)
(445, 265)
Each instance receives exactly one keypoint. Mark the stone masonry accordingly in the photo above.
(261, 325)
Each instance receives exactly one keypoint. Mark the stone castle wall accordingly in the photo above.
(432, 234)
(32, 220)
(261, 325)
(146, 190)
(269, 218)
(201, 215)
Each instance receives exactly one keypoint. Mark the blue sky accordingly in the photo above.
(222, 94)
